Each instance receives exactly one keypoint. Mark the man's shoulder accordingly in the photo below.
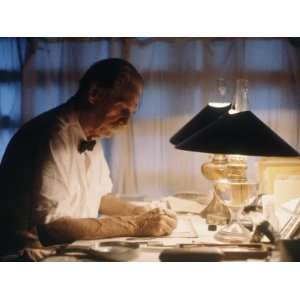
(46, 119)
(37, 132)
(44, 125)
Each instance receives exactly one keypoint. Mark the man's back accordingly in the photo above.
(19, 170)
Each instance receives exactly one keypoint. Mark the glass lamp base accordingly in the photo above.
(234, 232)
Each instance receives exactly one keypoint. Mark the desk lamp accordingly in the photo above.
(206, 116)
(240, 133)
(215, 213)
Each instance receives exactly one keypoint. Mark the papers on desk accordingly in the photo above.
(284, 217)
(185, 229)
(191, 229)
(180, 205)
(286, 188)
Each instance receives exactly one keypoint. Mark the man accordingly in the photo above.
(54, 178)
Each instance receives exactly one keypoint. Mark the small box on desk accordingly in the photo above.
(273, 168)
(216, 253)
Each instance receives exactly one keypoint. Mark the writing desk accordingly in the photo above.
(151, 248)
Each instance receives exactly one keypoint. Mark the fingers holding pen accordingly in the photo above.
(156, 222)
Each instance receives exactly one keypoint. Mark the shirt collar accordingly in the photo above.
(70, 118)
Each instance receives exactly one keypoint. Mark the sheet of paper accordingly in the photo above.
(286, 188)
(184, 228)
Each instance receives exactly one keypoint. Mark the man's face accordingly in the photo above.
(113, 116)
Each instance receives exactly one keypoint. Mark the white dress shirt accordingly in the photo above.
(43, 176)
(72, 183)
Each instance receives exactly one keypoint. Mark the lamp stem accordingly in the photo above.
(216, 213)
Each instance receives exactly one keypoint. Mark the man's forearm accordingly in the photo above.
(68, 230)
(111, 205)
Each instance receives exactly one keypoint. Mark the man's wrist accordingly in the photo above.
(134, 226)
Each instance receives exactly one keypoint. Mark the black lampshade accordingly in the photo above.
(206, 116)
(241, 133)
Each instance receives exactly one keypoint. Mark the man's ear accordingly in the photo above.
(93, 93)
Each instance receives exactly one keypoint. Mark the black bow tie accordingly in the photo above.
(86, 145)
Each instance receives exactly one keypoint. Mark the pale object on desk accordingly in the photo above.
(285, 211)
(286, 188)
(269, 214)
(195, 196)
(269, 168)
(185, 228)
(180, 205)
(279, 214)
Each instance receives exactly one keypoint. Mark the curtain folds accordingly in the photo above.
(180, 79)
(12, 59)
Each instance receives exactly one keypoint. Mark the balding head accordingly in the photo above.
(111, 77)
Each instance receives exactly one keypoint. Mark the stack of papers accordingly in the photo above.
(283, 216)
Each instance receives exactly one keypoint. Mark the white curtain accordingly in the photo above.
(180, 79)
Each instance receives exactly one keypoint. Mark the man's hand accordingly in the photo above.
(156, 222)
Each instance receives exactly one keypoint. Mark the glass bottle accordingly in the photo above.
(219, 98)
(241, 102)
